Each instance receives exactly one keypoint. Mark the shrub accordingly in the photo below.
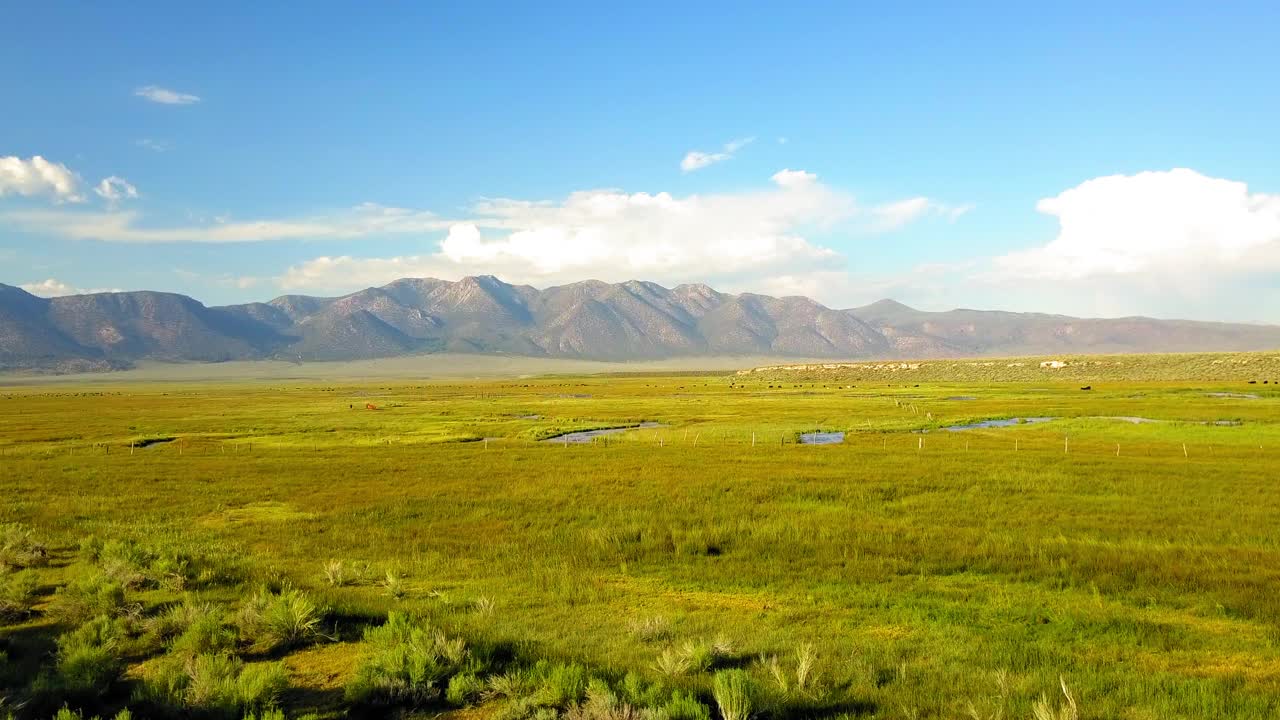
(684, 706)
(19, 547)
(602, 704)
(274, 620)
(17, 594)
(67, 713)
(560, 685)
(125, 562)
(88, 659)
(218, 683)
(206, 634)
(88, 597)
(269, 714)
(464, 689)
(734, 693)
(226, 682)
(174, 620)
(406, 661)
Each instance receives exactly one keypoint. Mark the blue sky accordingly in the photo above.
(1108, 159)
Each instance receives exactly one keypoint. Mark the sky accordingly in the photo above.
(1093, 159)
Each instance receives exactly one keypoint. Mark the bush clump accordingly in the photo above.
(735, 694)
(88, 597)
(408, 662)
(17, 594)
(215, 683)
(276, 619)
(19, 547)
(88, 659)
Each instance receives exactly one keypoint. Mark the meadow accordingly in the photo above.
(292, 548)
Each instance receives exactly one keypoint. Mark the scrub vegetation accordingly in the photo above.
(284, 550)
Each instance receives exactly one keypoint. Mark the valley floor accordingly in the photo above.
(1126, 547)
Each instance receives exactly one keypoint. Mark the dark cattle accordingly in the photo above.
(1087, 387)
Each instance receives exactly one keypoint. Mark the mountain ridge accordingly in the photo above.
(590, 319)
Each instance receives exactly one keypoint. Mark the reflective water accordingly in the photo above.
(822, 438)
(586, 436)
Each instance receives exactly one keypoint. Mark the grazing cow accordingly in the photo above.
(1087, 387)
(370, 406)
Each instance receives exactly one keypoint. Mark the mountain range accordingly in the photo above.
(588, 320)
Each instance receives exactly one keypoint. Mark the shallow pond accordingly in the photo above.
(821, 438)
(1007, 422)
(585, 436)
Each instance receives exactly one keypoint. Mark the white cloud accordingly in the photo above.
(165, 96)
(612, 235)
(696, 159)
(154, 145)
(894, 215)
(1160, 224)
(53, 287)
(113, 189)
(128, 226)
(37, 177)
(793, 178)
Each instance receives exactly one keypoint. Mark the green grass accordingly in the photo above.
(899, 574)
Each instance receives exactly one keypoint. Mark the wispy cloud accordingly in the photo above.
(165, 96)
(154, 145)
(892, 216)
(697, 159)
(128, 226)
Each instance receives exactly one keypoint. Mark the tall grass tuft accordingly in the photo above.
(216, 684)
(734, 692)
(337, 574)
(1065, 710)
(406, 661)
(393, 584)
(653, 629)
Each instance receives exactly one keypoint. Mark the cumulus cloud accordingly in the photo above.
(697, 159)
(1163, 223)
(165, 96)
(613, 235)
(53, 287)
(113, 189)
(733, 239)
(37, 177)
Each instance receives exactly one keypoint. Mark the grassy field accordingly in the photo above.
(234, 549)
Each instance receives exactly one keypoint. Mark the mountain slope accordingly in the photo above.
(589, 319)
(918, 333)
